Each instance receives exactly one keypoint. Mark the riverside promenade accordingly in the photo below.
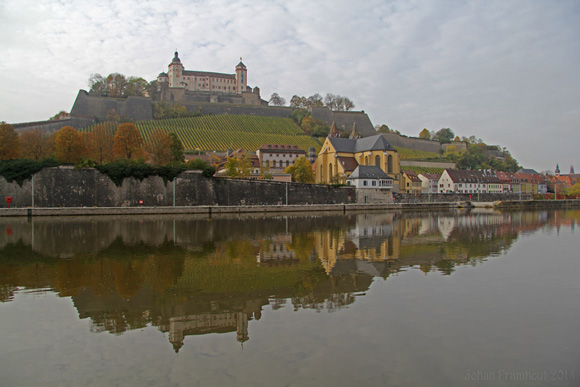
(279, 209)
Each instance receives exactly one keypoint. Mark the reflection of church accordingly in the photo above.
(311, 262)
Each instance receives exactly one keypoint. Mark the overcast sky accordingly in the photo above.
(506, 71)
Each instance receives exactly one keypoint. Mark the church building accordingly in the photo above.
(339, 157)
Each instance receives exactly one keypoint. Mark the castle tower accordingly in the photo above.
(241, 77)
(175, 73)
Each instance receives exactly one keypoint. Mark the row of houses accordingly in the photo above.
(475, 181)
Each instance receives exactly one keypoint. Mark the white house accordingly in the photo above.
(370, 176)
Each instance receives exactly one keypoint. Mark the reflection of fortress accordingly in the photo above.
(191, 276)
(201, 324)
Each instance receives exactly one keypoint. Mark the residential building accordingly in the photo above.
(410, 182)
(369, 176)
(429, 182)
(277, 157)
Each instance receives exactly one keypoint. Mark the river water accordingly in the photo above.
(457, 298)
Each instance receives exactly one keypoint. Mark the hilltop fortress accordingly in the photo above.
(183, 85)
(209, 93)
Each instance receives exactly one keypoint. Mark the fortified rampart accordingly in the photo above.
(54, 125)
(412, 143)
(345, 120)
(69, 187)
(134, 108)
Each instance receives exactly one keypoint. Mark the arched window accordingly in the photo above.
(330, 171)
(390, 164)
(378, 161)
(322, 173)
(273, 163)
(366, 160)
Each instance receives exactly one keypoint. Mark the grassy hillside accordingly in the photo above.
(222, 132)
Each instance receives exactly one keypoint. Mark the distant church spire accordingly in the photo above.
(333, 131)
(354, 134)
(572, 170)
(557, 171)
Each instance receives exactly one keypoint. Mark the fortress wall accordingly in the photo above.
(412, 142)
(70, 187)
(52, 126)
(135, 108)
(428, 164)
(345, 120)
(250, 110)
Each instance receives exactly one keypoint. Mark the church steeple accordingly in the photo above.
(333, 131)
(354, 134)
(572, 170)
(557, 171)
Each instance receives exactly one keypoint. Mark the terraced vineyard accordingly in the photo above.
(411, 154)
(422, 169)
(222, 132)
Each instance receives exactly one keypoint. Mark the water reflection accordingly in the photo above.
(192, 276)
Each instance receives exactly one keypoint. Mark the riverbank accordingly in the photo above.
(209, 210)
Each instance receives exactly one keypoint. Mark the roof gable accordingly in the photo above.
(369, 172)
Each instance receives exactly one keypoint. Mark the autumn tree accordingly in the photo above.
(99, 144)
(117, 85)
(128, 143)
(276, 100)
(301, 171)
(9, 144)
(159, 148)
(425, 134)
(34, 145)
(68, 145)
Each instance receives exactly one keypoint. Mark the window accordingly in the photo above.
(374, 183)
(365, 182)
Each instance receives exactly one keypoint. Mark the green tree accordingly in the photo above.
(68, 145)
(444, 135)
(231, 167)
(9, 144)
(301, 171)
(383, 129)
(136, 86)
(425, 134)
(575, 189)
(176, 148)
(245, 166)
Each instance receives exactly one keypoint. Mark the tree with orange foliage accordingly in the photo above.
(99, 144)
(34, 145)
(68, 145)
(9, 144)
(128, 143)
(159, 148)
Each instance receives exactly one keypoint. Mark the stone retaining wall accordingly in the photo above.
(69, 187)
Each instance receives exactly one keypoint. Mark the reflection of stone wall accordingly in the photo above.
(69, 187)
